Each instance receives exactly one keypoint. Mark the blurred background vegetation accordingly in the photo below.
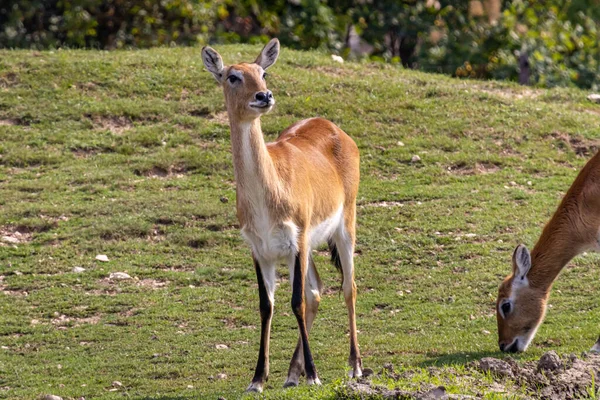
(544, 43)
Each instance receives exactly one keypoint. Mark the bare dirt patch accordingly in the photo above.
(115, 124)
(152, 283)
(478, 169)
(8, 122)
(10, 235)
(581, 146)
(162, 173)
(9, 79)
(61, 321)
(550, 377)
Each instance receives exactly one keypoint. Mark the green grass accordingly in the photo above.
(127, 154)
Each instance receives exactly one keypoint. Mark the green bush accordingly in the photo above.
(557, 39)
(105, 24)
(561, 47)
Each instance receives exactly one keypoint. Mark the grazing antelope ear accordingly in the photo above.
(269, 54)
(213, 62)
(521, 261)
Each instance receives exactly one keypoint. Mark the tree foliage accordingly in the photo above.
(555, 42)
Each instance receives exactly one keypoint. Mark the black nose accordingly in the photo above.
(264, 96)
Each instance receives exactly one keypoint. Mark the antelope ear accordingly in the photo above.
(521, 261)
(269, 54)
(213, 62)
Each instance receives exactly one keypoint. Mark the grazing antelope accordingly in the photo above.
(292, 195)
(574, 228)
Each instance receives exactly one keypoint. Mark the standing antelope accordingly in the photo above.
(292, 195)
(574, 228)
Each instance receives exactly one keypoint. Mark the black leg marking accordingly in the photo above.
(261, 372)
(297, 300)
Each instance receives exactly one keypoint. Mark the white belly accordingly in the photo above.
(323, 232)
(274, 241)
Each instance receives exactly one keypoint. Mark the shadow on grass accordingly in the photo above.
(436, 360)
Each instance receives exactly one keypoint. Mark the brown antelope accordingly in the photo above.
(574, 228)
(292, 195)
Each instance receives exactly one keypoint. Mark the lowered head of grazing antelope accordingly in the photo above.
(244, 84)
(520, 308)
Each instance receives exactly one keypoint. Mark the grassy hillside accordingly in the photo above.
(126, 154)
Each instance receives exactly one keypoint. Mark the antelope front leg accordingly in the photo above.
(299, 308)
(312, 297)
(265, 275)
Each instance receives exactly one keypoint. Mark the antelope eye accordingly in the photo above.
(232, 79)
(505, 307)
(265, 75)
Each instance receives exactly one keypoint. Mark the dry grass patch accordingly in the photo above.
(220, 118)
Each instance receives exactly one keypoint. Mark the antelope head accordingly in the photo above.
(520, 308)
(244, 85)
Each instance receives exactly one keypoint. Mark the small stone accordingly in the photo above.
(51, 397)
(18, 273)
(415, 159)
(337, 58)
(224, 199)
(119, 276)
(78, 270)
(102, 257)
(594, 97)
(401, 144)
(190, 387)
(222, 347)
(117, 384)
(221, 376)
(529, 183)
(485, 332)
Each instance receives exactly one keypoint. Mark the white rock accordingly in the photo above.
(415, 159)
(117, 384)
(221, 346)
(51, 397)
(594, 97)
(221, 376)
(337, 58)
(102, 257)
(78, 270)
(119, 276)
(401, 144)
(10, 239)
(190, 387)
(485, 332)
